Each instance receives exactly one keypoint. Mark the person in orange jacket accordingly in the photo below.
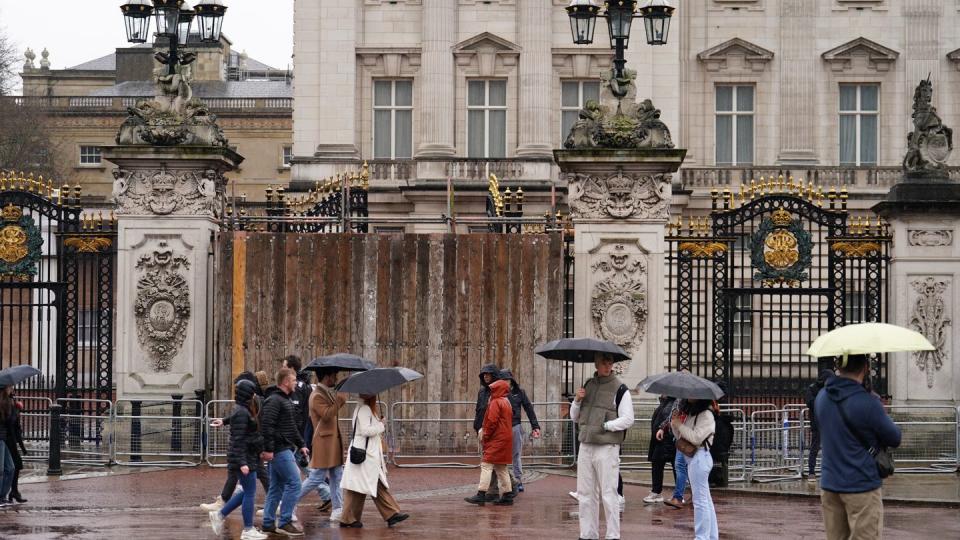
(497, 446)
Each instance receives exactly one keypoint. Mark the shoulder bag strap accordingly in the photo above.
(856, 433)
(366, 442)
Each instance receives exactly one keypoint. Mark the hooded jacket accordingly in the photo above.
(846, 465)
(483, 396)
(661, 450)
(245, 440)
(300, 398)
(519, 400)
(278, 424)
(498, 426)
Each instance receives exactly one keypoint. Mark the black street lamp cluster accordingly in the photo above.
(656, 16)
(174, 19)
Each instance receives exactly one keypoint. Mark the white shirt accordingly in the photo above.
(625, 414)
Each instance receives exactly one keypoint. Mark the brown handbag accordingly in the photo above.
(686, 447)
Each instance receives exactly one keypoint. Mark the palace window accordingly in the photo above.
(392, 119)
(734, 125)
(743, 323)
(87, 328)
(859, 129)
(573, 97)
(287, 156)
(90, 155)
(487, 119)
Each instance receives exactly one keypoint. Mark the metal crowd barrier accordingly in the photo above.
(158, 432)
(557, 444)
(87, 434)
(776, 445)
(633, 451)
(929, 441)
(217, 439)
(737, 464)
(35, 423)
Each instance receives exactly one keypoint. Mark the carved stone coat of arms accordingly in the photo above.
(162, 305)
(618, 303)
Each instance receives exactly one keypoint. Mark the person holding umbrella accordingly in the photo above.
(693, 429)
(7, 426)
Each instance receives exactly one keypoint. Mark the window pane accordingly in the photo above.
(569, 94)
(381, 135)
(381, 93)
(848, 139)
(848, 97)
(475, 135)
(868, 97)
(404, 96)
(745, 98)
(475, 90)
(868, 139)
(591, 90)
(404, 134)
(724, 140)
(724, 98)
(744, 139)
(566, 122)
(498, 134)
(498, 94)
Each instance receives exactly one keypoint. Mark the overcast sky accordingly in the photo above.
(75, 31)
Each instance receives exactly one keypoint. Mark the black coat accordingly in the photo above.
(483, 396)
(14, 438)
(518, 400)
(278, 423)
(300, 397)
(661, 450)
(246, 443)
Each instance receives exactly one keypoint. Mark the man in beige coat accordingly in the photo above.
(326, 456)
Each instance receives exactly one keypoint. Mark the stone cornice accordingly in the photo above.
(754, 56)
(485, 48)
(879, 58)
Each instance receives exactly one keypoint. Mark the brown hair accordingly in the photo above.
(263, 379)
(283, 374)
(6, 402)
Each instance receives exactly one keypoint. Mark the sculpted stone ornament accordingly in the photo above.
(162, 306)
(173, 117)
(929, 318)
(618, 303)
(632, 125)
(163, 192)
(930, 143)
(619, 196)
(20, 243)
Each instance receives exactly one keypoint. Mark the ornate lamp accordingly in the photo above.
(656, 20)
(583, 20)
(167, 13)
(210, 19)
(136, 18)
(619, 21)
(183, 24)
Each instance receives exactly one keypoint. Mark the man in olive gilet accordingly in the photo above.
(603, 421)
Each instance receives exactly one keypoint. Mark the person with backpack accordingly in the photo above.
(693, 427)
(661, 450)
(809, 398)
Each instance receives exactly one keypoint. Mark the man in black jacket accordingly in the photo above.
(518, 400)
(281, 439)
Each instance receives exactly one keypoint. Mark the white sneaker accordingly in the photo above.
(293, 518)
(650, 499)
(216, 522)
(622, 501)
(253, 534)
(335, 515)
(575, 496)
(217, 504)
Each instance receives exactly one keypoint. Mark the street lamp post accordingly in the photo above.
(619, 15)
(174, 19)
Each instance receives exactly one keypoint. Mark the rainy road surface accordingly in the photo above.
(162, 505)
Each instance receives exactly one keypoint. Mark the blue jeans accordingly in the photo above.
(704, 514)
(6, 461)
(680, 472)
(248, 482)
(318, 481)
(284, 489)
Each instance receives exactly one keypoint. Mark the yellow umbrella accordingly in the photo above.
(867, 338)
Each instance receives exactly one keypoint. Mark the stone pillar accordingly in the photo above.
(169, 202)
(620, 204)
(799, 62)
(536, 65)
(437, 108)
(336, 81)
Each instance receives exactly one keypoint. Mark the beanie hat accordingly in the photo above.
(244, 391)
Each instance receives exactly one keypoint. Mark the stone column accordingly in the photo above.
(336, 81)
(437, 81)
(536, 65)
(620, 204)
(169, 202)
(798, 83)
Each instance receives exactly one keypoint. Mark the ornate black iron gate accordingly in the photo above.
(56, 290)
(769, 270)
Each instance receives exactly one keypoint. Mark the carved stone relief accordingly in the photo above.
(162, 305)
(162, 192)
(620, 196)
(930, 237)
(929, 317)
(618, 303)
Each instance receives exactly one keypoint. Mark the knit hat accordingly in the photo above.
(244, 391)
(263, 379)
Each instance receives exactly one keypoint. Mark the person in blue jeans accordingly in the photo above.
(7, 424)
(326, 456)
(243, 457)
(695, 426)
(281, 439)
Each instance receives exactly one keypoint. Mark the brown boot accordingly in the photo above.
(674, 502)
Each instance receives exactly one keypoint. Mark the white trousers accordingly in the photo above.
(598, 467)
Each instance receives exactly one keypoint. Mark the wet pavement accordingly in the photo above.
(147, 505)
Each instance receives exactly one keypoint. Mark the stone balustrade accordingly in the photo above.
(866, 178)
(97, 103)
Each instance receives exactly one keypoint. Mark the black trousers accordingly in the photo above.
(231, 484)
(659, 465)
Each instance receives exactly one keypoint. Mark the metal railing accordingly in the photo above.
(928, 442)
(776, 445)
(35, 425)
(86, 434)
(158, 432)
(216, 440)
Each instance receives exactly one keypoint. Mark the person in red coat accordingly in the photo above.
(497, 442)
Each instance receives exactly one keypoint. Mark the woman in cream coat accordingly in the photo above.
(369, 477)
(695, 423)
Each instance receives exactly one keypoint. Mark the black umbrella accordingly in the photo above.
(377, 380)
(16, 374)
(581, 350)
(340, 362)
(681, 384)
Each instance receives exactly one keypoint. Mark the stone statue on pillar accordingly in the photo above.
(930, 143)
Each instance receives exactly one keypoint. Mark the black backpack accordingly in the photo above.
(810, 395)
(722, 437)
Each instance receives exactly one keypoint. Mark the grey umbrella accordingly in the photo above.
(377, 380)
(581, 350)
(680, 384)
(340, 362)
(16, 374)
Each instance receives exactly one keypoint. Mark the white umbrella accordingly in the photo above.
(868, 338)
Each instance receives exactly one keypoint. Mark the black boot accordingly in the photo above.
(479, 499)
(505, 500)
(14, 491)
